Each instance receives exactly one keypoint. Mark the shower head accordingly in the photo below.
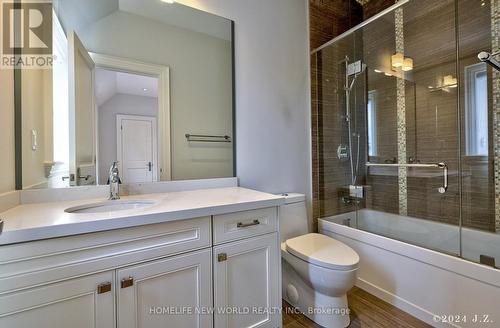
(486, 57)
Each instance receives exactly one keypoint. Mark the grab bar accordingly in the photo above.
(207, 138)
(441, 165)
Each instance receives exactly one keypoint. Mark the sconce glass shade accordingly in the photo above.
(397, 59)
(407, 64)
(449, 80)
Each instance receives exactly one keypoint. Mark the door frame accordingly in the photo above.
(119, 145)
(162, 73)
(76, 47)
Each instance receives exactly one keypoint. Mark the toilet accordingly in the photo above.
(317, 270)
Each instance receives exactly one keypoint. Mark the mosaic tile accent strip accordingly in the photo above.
(401, 118)
(495, 46)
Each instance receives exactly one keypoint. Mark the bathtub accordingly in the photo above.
(429, 234)
(413, 264)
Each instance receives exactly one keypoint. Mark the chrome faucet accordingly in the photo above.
(114, 182)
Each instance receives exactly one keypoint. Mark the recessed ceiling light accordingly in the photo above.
(168, 1)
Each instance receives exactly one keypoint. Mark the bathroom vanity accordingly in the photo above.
(200, 258)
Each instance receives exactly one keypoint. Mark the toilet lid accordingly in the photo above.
(323, 251)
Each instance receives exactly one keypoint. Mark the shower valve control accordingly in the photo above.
(343, 152)
(356, 191)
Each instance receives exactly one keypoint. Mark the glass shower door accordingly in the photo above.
(480, 145)
(398, 123)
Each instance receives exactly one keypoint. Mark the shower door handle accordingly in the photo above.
(441, 165)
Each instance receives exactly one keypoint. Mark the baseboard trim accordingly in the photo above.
(402, 304)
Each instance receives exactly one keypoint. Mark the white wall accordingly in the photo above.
(272, 91)
(200, 84)
(37, 115)
(7, 164)
(118, 104)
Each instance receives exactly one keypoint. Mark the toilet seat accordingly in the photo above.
(323, 251)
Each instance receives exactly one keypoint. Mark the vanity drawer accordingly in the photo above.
(234, 226)
(44, 261)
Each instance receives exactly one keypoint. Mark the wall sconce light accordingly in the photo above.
(397, 59)
(450, 81)
(407, 64)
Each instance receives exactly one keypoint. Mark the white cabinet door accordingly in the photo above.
(246, 281)
(86, 302)
(172, 292)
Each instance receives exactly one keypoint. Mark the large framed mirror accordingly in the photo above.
(145, 83)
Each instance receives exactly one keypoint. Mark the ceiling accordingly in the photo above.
(78, 15)
(109, 83)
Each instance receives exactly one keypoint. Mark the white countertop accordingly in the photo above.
(30, 222)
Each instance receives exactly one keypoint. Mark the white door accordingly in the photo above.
(136, 148)
(86, 302)
(246, 278)
(167, 293)
(82, 116)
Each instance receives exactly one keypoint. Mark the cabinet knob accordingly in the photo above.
(127, 282)
(221, 257)
(104, 288)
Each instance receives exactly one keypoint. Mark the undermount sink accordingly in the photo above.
(110, 206)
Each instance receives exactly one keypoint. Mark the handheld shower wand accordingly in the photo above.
(486, 57)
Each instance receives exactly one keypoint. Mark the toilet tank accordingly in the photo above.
(293, 217)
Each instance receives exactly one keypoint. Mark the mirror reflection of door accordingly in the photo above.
(82, 149)
(129, 110)
(136, 151)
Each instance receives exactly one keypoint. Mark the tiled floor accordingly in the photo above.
(367, 311)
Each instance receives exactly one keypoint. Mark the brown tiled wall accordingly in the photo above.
(373, 7)
(431, 122)
(328, 19)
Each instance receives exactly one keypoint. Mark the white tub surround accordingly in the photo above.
(437, 236)
(9, 200)
(425, 283)
(186, 260)
(29, 222)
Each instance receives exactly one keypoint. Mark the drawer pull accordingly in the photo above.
(127, 282)
(245, 225)
(104, 288)
(222, 257)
